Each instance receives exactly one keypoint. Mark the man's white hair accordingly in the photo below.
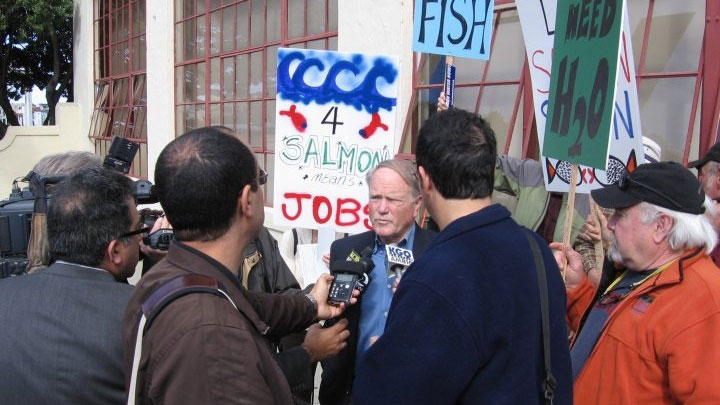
(689, 231)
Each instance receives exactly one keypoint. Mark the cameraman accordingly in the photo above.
(38, 251)
(62, 327)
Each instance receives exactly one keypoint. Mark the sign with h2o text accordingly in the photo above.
(453, 27)
(537, 19)
(582, 86)
(334, 121)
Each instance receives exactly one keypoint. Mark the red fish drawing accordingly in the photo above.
(298, 120)
(375, 123)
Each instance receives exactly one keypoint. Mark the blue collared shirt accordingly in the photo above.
(378, 295)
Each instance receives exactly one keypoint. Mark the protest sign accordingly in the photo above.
(335, 120)
(626, 151)
(452, 27)
(582, 85)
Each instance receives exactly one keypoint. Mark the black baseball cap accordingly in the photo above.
(713, 154)
(665, 184)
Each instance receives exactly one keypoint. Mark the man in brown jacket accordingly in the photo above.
(209, 348)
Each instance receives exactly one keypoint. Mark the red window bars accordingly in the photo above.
(225, 62)
(120, 91)
(671, 40)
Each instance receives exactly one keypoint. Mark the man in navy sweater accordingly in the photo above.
(465, 323)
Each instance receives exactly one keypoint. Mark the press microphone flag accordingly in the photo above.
(398, 259)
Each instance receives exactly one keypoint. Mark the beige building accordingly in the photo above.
(150, 70)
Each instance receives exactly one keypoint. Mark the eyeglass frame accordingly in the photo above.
(623, 184)
(261, 179)
(142, 230)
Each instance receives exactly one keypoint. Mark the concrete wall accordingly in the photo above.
(391, 35)
(22, 147)
(160, 42)
(83, 63)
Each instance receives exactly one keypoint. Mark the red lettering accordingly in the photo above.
(316, 209)
(341, 202)
(624, 60)
(540, 68)
(298, 198)
(366, 221)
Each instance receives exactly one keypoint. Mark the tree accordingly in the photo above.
(35, 50)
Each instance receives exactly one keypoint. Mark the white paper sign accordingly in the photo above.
(537, 19)
(335, 120)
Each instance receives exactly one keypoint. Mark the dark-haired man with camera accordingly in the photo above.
(62, 326)
(211, 345)
(465, 324)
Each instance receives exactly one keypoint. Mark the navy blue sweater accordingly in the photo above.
(464, 325)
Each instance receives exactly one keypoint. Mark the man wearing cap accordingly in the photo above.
(649, 332)
(708, 169)
(595, 228)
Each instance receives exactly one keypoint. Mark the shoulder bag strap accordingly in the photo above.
(157, 301)
(548, 385)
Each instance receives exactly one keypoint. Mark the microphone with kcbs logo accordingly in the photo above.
(398, 259)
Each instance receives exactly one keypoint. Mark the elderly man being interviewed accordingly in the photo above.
(649, 333)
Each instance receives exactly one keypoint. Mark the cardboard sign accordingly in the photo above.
(335, 120)
(625, 151)
(582, 85)
(453, 27)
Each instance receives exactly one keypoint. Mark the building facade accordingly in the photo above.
(151, 70)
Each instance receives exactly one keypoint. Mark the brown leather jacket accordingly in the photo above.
(200, 349)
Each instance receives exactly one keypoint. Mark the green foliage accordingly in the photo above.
(35, 49)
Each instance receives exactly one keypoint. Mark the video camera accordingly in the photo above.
(16, 212)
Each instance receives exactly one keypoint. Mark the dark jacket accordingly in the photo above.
(200, 349)
(464, 325)
(269, 273)
(61, 339)
(339, 371)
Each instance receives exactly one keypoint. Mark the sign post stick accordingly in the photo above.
(449, 83)
(599, 251)
(570, 210)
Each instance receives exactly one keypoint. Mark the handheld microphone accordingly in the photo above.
(398, 259)
(350, 274)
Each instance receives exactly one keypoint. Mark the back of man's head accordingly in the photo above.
(198, 178)
(88, 210)
(458, 149)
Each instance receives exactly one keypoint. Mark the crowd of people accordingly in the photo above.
(483, 315)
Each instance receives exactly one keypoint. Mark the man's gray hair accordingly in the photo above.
(689, 231)
(405, 168)
(66, 162)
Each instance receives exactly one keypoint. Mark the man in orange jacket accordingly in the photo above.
(649, 333)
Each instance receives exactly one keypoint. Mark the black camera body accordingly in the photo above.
(15, 220)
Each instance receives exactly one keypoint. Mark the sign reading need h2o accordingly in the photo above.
(453, 27)
(582, 86)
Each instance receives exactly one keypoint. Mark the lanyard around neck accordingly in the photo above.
(637, 283)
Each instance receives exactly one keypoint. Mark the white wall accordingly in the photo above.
(22, 147)
(381, 27)
(83, 63)
(159, 39)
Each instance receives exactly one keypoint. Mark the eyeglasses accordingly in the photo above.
(143, 230)
(624, 182)
(262, 177)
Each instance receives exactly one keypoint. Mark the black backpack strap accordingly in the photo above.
(549, 383)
